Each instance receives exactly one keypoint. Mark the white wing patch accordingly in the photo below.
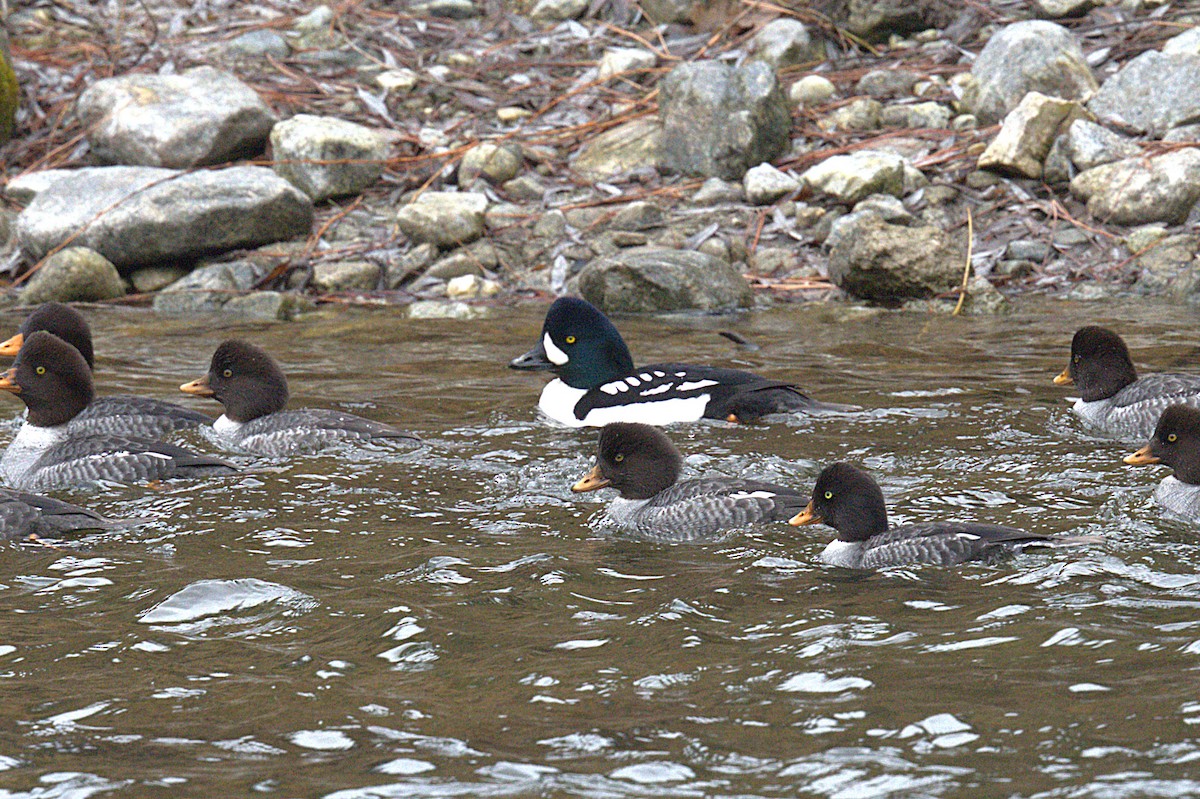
(966, 536)
(633, 381)
(556, 356)
(752, 495)
(657, 390)
(696, 384)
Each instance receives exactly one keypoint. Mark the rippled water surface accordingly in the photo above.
(452, 621)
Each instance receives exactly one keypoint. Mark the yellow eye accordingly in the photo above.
(619, 458)
(227, 373)
(570, 339)
(1075, 358)
(1172, 437)
(41, 370)
(828, 495)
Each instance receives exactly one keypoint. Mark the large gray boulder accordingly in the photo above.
(878, 261)
(649, 279)
(1151, 94)
(137, 216)
(720, 120)
(327, 157)
(202, 116)
(74, 274)
(1024, 57)
(1137, 191)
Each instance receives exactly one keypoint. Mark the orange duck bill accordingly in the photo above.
(1064, 378)
(13, 345)
(806, 516)
(591, 482)
(199, 387)
(8, 381)
(1141, 458)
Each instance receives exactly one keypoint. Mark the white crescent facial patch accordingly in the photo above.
(556, 356)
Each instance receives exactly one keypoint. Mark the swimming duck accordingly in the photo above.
(24, 515)
(1175, 443)
(254, 391)
(1113, 399)
(126, 414)
(641, 463)
(597, 383)
(54, 382)
(849, 501)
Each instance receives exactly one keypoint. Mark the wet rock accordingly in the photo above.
(1186, 43)
(1092, 292)
(449, 9)
(764, 184)
(229, 276)
(269, 305)
(410, 264)
(1024, 139)
(259, 44)
(875, 20)
(1059, 9)
(811, 90)
(1089, 145)
(623, 149)
(1140, 190)
(327, 157)
(638, 215)
(1014, 269)
(153, 278)
(984, 299)
(878, 261)
(548, 11)
(884, 83)
(199, 117)
(782, 43)
(715, 191)
(345, 276)
(440, 309)
(471, 287)
(622, 60)
(186, 303)
(1151, 94)
(1023, 57)
(649, 279)
(917, 115)
(1163, 263)
(496, 163)
(852, 177)
(472, 260)
(23, 188)
(720, 120)
(859, 115)
(443, 218)
(138, 216)
(74, 274)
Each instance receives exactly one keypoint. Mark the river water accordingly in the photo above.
(452, 621)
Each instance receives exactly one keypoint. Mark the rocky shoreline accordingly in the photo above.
(663, 157)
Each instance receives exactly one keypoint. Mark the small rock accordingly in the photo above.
(1022, 57)
(525, 188)
(74, 274)
(876, 20)
(547, 11)
(326, 157)
(626, 238)
(186, 303)
(1089, 145)
(883, 262)
(443, 218)
(638, 215)
(471, 286)
(918, 115)
(447, 9)
(509, 114)
(984, 299)
(230, 276)
(1163, 263)
(782, 43)
(153, 278)
(887, 208)
(667, 11)
(1140, 190)
(626, 148)
(715, 191)
(1028, 131)
(397, 80)
(1027, 250)
(410, 264)
(551, 225)
(1014, 269)
(1152, 93)
(270, 305)
(884, 83)
(862, 114)
(716, 247)
(1070, 236)
(650, 279)
(964, 122)
(623, 60)
(1059, 9)
(1144, 237)
(720, 120)
(811, 90)
(472, 260)
(852, 177)
(764, 184)
(940, 195)
(199, 117)
(1183, 133)
(1091, 292)
(259, 44)
(775, 261)
(319, 19)
(494, 162)
(345, 276)
(1186, 43)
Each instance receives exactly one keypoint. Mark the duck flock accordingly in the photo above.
(71, 438)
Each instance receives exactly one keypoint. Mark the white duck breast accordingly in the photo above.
(650, 402)
(1179, 497)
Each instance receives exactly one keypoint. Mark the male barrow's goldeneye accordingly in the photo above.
(1113, 399)
(849, 501)
(1175, 443)
(54, 381)
(254, 391)
(597, 382)
(125, 414)
(643, 465)
(24, 515)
